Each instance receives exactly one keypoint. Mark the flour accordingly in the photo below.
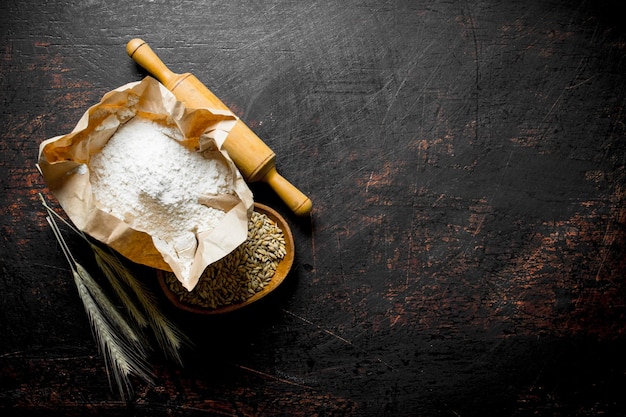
(146, 178)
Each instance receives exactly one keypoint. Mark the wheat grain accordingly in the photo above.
(242, 273)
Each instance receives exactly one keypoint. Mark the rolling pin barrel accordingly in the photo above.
(254, 159)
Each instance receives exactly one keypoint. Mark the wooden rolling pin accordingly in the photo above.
(254, 159)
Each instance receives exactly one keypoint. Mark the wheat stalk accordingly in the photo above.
(120, 350)
(168, 336)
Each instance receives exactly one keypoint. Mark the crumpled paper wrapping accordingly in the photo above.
(60, 157)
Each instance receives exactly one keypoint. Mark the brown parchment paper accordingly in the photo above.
(61, 157)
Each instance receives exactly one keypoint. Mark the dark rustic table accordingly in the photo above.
(465, 253)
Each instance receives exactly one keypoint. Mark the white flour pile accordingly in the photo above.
(144, 177)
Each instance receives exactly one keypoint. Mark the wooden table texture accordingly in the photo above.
(466, 251)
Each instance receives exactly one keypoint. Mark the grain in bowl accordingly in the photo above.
(248, 273)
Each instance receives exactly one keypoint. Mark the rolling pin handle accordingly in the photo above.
(299, 203)
(142, 54)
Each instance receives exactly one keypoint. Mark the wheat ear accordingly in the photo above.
(113, 268)
(108, 309)
(120, 358)
(169, 337)
(110, 266)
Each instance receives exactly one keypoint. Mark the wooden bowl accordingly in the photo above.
(282, 270)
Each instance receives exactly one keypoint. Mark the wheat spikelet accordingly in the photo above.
(112, 269)
(170, 339)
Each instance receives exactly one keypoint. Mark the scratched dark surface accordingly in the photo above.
(467, 164)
